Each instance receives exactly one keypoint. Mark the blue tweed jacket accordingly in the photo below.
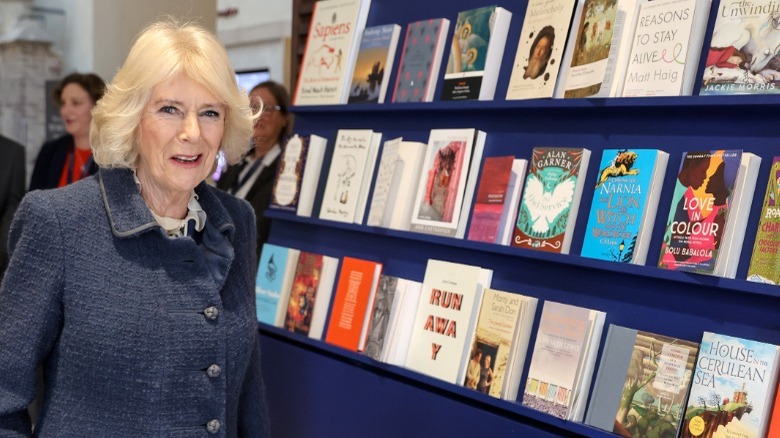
(138, 334)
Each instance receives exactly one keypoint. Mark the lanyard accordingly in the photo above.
(239, 182)
(72, 162)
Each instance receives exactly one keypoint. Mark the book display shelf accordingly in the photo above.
(316, 389)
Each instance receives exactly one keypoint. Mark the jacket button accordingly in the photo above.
(214, 371)
(211, 312)
(213, 426)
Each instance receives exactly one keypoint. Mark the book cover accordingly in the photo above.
(698, 213)
(289, 174)
(562, 360)
(733, 388)
(774, 419)
(506, 226)
(326, 67)
(476, 51)
(446, 312)
(642, 383)
(665, 52)
(396, 184)
(741, 55)
(401, 323)
(548, 208)
(303, 294)
(764, 262)
(374, 63)
(275, 273)
(540, 49)
(496, 350)
(421, 56)
(351, 152)
(491, 195)
(356, 286)
(625, 202)
(437, 207)
(315, 154)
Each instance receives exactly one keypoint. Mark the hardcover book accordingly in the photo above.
(352, 303)
(563, 358)
(627, 190)
(312, 287)
(708, 213)
(326, 67)
(300, 155)
(733, 388)
(548, 209)
(765, 262)
(497, 353)
(374, 63)
(491, 195)
(741, 55)
(475, 54)
(418, 69)
(540, 49)
(642, 383)
(446, 314)
(275, 273)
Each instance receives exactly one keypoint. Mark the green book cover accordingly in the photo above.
(764, 263)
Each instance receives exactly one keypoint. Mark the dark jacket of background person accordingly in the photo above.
(12, 183)
(173, 315)
(51, 159)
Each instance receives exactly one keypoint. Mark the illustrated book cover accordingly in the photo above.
(381, 312)
(374, 63)
(765, 262)
(310, 294)
(562, 361)
(299, 155)
(733, 388)
(331, 47)
(551, 196)
(625, 202)
(642, 383)
(275, 273)
(711, 201)
(398, 334)
(446, 315)
(540, 49)
(421, 56)
(476, 51)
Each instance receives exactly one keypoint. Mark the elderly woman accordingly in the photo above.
(133, 288)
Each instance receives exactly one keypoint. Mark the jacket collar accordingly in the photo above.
(129, 215)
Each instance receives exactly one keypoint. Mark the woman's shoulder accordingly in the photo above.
(239, 209)
(79, 196)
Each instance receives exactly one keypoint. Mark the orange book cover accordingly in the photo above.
(357, 282)
(774, 419)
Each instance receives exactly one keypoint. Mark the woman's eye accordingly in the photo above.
(211, 114)
(169, 109)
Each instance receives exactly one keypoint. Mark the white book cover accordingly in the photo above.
(509, 213)
(324, 292)
(373, 65)
(331, 48)
(627, 16)
(446, 312)
(540, 50)
(471, 184)
(368, 175)
(439, 200)
(384, 182)
(351, 151)
(476, 51)
(399, 330)
(666, 48)
(311, 174)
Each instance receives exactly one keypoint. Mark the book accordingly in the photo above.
(310, 294)
(562, 361)
(352, 303)
(666, 48)
(642, 383)
(398, 334)
(374, 63)
(446, 186)
(741, 56)
(275, 273)
(625, 202)
(540, 49)
(709, 211)
(381, 313)
(331, 47)
(774, 419)
(476, 51)
(764, 261)
(597, 48)
(506, 225)
(497, 353)
(733, 387)
(446, 314)
(421, 55)
(292, 189)
(352, 164)
(551, 196)
(491, 196)
(396, 184)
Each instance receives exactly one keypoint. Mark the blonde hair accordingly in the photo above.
(160, 52)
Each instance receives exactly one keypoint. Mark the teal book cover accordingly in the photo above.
(270, 278)
(623, 184)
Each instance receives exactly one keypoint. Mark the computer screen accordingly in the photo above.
(247, 79)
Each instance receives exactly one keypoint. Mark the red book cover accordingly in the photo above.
(303, 293)
(491, 193)
(356, 286)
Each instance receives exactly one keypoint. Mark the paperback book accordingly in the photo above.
(298, 174)
(490, 200)
(421, 56)
(401, 322)
(374, 63)
(275, 273)
(378, 322)
(312, 288)
(765, 262)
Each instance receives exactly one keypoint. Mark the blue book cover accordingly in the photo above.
(623, 189)
(270, 282)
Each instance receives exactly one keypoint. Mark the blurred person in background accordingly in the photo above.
(12, 184)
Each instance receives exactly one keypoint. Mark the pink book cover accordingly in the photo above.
(443, 176)
(491, 193)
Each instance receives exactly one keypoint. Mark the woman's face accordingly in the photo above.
(75, 109)
(180, 134)
(271, 124)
